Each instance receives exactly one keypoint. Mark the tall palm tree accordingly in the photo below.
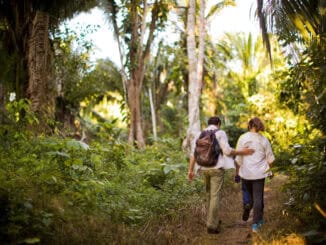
(247, 52)
(238, 68)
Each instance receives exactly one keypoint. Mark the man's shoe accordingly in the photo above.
(213, 231)
(246, 212)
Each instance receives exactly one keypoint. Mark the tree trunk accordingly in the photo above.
(194, 91)
(135, 82)
(152, 104)
(134, 98)
(138, 58)
(201, 46)
(40, 90)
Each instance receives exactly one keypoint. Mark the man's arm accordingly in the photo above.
(242, 152)
(191, 168)
(241, 149)
(227, 149)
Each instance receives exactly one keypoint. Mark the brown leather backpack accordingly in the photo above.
(207, 149)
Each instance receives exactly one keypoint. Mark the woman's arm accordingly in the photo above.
(269, 153)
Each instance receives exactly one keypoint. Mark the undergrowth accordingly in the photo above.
(58, 190)
(48, 183)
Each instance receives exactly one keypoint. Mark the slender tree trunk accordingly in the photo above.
(40, 89)
(195, 76)
(152, 104)
(114, 11)
(201, 46)
(132, 113)
(123, 70)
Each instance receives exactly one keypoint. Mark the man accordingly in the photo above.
(214, 176)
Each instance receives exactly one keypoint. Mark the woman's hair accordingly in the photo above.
(256, 123)
(214, 121)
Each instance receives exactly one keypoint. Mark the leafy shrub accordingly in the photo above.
(307, 170)
(47, 181)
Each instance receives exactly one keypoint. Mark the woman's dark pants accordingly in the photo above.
(255, 189)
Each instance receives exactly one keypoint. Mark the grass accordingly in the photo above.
(187, 225)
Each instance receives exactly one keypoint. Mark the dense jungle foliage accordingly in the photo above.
(48, 181)
(68, 171)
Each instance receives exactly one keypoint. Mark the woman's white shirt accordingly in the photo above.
(255, 166)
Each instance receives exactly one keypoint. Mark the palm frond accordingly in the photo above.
(111, 9)
(263, 26)
(216, 8)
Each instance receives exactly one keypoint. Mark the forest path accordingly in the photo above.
(188, 226)
(234, 229)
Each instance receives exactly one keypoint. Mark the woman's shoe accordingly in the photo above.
(255, 226)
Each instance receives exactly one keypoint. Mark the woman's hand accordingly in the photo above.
(237, 179)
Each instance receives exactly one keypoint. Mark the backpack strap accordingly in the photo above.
(218, 143)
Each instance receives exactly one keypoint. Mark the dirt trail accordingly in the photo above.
(237, 231)
(188, 226)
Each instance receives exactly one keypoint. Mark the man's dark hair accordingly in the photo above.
(214, 121)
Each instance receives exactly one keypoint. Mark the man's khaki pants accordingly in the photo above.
(214, 179)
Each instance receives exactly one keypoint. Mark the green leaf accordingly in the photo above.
(76, 145)
(28, 205)
(32, 240)
(168, 168)
(58, 153)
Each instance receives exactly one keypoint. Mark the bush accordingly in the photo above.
(307, 171)
(47, 181)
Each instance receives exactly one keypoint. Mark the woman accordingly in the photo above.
(253, 169)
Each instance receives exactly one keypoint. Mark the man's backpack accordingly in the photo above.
(207, 149)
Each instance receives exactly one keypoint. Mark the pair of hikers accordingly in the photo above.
(253, 157)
